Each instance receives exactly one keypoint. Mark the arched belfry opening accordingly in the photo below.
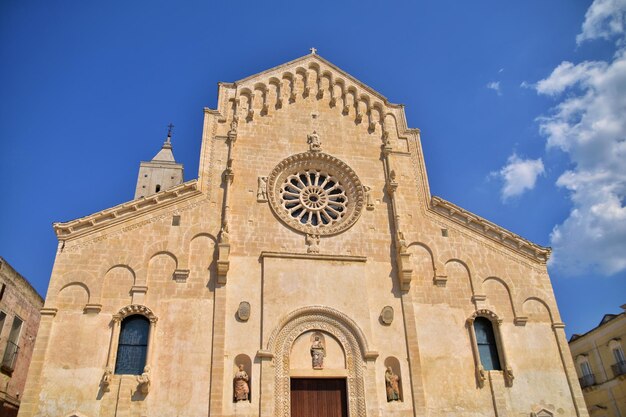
(312, 344)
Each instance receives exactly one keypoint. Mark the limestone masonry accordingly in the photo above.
(306, 272)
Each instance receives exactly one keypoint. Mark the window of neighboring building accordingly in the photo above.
(133, 345)
(585, 368)
(3, 316)
(486, 341)
(12, 349)
(619, 367)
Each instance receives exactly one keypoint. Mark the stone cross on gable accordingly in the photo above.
(313, 50)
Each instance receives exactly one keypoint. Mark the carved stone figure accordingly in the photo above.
(392, 385)
(315, 144)
(233, 125)
(106, 378)
(402, 246)
(313, 243)
(261, 193)
(144, 381)
(241, 384)
(317, 353)
(224, 235)
(369, 204)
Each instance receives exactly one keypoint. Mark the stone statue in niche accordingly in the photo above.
(144, 381)
(315, 144)
(317, 353)
(392, 385)
(241, 384)
(261, 193)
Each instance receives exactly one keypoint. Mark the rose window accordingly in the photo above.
(314, 198)
(315, 193)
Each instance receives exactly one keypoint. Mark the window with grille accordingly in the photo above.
(133, 345)
(12, 349)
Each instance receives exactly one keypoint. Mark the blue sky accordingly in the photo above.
(519, 104)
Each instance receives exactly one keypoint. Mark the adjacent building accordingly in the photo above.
(601, 365)
(19, 320)
(306, 271)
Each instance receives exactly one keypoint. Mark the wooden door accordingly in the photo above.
(318, 398)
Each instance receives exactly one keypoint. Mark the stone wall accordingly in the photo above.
(18, 299)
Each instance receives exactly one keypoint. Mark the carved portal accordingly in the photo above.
(342, 328)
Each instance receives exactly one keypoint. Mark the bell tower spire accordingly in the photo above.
(162, 172)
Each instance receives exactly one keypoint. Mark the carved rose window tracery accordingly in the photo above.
(315, 193)
(314, 198)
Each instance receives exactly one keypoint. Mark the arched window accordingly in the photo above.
(487, 347)
(133, 345)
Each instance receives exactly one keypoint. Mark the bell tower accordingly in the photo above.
(161, 173)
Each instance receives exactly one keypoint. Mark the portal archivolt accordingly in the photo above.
(338, 325)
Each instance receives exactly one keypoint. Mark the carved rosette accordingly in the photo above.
(315, 193)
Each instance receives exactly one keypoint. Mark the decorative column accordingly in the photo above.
(478, 367)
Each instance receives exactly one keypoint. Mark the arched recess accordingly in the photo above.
(537, 310)
(161, 268)
(499, 297)
(117, 284)
(73, 296)
(342, 328)
(459, 278)
(201, 256)
(423, 260)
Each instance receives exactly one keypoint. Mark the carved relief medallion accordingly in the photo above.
(243, 312)
(386, 315)
(315, 193)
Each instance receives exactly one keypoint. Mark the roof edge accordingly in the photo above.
(116, 214)
(490, 230)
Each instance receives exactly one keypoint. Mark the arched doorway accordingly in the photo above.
(339, 327)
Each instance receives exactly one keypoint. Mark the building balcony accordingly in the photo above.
(10, 356)
(587, 381)
(619, 369)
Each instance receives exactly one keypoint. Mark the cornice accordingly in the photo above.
(125, 211)
(489, 230)
(314, 57)
(314, 256)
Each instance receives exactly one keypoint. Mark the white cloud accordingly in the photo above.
(519, 175)
(495, 86)
(604, 19)
(589, 125)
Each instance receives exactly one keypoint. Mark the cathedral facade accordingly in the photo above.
(307, 271)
